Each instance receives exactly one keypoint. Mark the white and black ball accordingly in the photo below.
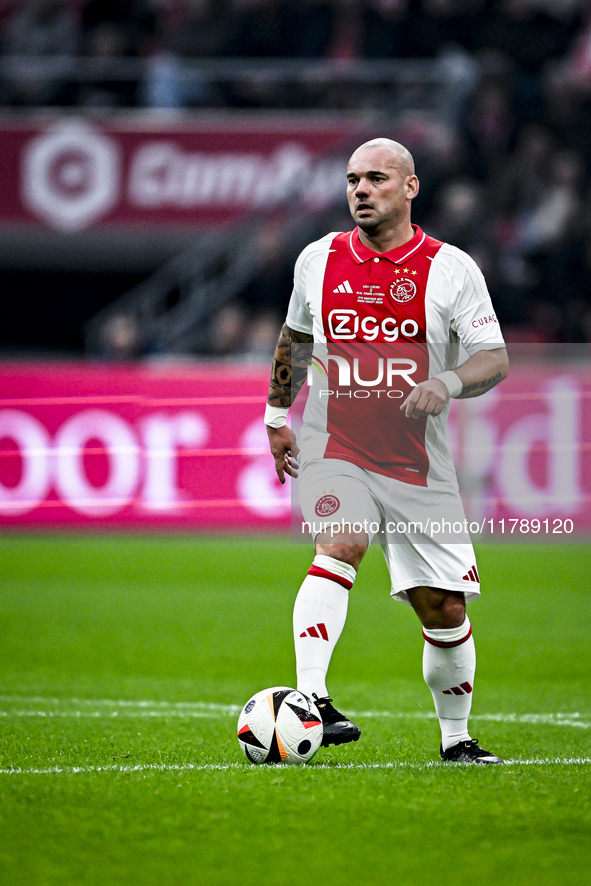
(280, 725)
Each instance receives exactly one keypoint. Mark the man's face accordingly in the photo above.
(380, 188)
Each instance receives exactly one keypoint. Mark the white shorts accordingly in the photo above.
(423, 530)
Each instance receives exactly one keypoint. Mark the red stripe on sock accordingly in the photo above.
(466, 687)
(331, 576)
(323, 631)
(448, 645)
(456, 690)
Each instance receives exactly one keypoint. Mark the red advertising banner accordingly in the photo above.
(71, 174)
(136, 447)
(184, 447)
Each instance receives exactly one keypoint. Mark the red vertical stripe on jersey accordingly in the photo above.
(382, 319)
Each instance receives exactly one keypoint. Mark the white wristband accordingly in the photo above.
(452, 382)
(276, 416)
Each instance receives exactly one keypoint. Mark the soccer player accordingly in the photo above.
(381, 313)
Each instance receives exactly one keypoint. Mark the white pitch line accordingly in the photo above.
(552, 719)
(536, 719)
(112, 715)
(216, 767)
(122, 703)
(565, 720)
(116, 708)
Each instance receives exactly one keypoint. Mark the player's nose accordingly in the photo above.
(362, 189)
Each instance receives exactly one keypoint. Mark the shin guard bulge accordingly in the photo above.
(319, 616)
(449, 664)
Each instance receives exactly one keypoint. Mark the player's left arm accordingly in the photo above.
(481, 372)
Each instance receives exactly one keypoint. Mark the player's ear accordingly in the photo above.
(412, 187)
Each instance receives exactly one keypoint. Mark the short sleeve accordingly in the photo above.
(298, 312)
(473, 318)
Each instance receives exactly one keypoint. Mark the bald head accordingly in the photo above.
(400, 156)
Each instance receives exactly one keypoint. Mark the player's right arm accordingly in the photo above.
(288, 373)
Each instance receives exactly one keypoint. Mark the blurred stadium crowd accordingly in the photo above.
(509, 182)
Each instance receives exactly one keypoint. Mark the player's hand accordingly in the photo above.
(284, 449)
(428, 398)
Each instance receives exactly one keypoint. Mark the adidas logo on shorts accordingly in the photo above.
(472, 575)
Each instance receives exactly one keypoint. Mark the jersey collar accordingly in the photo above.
(361, 253)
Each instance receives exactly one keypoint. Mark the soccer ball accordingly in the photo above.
(280, 725)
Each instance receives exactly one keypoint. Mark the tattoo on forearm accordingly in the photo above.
(482, 386)
(287, 375)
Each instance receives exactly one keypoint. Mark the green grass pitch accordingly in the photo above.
(124, 662)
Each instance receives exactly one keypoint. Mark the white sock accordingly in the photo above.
(449, 663)
(319, 616)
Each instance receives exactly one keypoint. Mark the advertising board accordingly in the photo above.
(184, 447)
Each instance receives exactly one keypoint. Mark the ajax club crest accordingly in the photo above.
(403, 289)
(327, 505)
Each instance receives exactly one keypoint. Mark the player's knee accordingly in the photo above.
(452, 611)
(350, 552)
(438, 609)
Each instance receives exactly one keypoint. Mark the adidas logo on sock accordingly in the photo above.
(462, 689)
(344, 287)
(472, 575)
(318, 631)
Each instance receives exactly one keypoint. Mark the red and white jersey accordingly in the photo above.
(381, 322)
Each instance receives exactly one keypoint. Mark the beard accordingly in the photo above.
(380, 220)
(369, 224)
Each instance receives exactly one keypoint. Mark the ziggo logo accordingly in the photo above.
(344, 325)
(143, 464)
